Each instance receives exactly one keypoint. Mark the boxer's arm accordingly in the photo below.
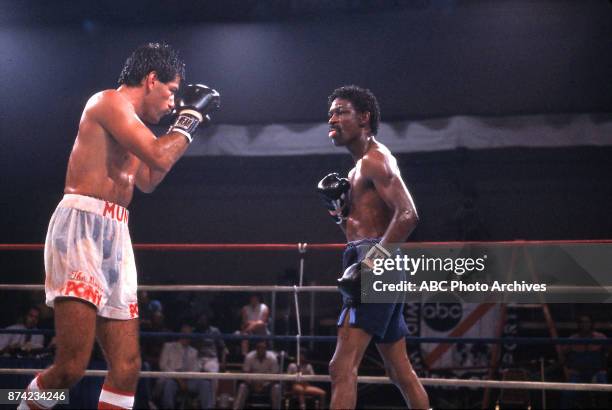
(117, 116)
(383, 171)
(148, 179)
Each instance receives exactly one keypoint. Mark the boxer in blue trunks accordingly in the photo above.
(373, 208)
(384, 321)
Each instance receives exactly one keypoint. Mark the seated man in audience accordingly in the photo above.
(586, 363)
(212, 352)
(20, 344)
(302, 390)
(260, 360)
(211, 348)
(151, 347)
(254, 318)
(147, 307)
(180, 356)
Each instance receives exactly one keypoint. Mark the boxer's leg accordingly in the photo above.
(402, 375)
(350, 347)
(75, 322)
(119, 342)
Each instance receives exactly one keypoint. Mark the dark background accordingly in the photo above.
(276, 62)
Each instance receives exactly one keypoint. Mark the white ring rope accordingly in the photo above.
(275, 288)
(492, 384)
(296, 289)
(302, 251)
(299, 377)
(203, 288)
(299, 327)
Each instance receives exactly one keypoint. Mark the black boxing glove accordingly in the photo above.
(349, 284)
(193, 107)
(334, 191)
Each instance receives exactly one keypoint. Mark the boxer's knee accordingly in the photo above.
(64, 374)
(402, 379)
(341, 372)
(124, 373)
(392, 374)
(131, 365)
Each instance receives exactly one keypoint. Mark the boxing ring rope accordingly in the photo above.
(203, 288)
(296, 289)
(277, 288)
(434, 382)
(301, 247)
(326, 339)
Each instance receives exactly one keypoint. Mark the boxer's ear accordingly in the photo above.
(150, 80)
(364, 119)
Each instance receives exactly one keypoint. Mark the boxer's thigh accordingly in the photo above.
(350, 347)
(119, 341)
(75, 324)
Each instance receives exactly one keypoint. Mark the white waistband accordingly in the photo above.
(95, 206)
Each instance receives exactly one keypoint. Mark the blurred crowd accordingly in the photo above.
(179, 336)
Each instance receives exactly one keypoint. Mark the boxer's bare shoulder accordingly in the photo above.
(99, 165)
(378, 163)
(109, 109)
(377, 167)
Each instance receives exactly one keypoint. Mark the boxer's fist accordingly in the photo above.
(334, 192)
(349, 284)
(199, 98)
(193, 107)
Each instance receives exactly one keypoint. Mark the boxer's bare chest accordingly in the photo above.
(369, 215)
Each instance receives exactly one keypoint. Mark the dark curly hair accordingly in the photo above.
(362, 99)
(157, 57)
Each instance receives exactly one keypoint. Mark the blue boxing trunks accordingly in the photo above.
(384, 321)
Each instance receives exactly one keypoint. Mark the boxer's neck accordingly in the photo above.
(360, 146)
(135, 95)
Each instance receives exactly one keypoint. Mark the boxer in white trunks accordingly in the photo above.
(89, 263)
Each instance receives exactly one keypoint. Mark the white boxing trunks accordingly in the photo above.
(89, 256)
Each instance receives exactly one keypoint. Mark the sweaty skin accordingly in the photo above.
(114, 150)
(377, 191)
(380, 204)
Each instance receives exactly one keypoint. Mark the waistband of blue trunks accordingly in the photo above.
(363, 242)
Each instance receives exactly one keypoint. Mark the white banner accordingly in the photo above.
(411, 136)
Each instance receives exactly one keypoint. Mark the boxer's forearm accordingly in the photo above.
(400, 227)
(172, 146)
